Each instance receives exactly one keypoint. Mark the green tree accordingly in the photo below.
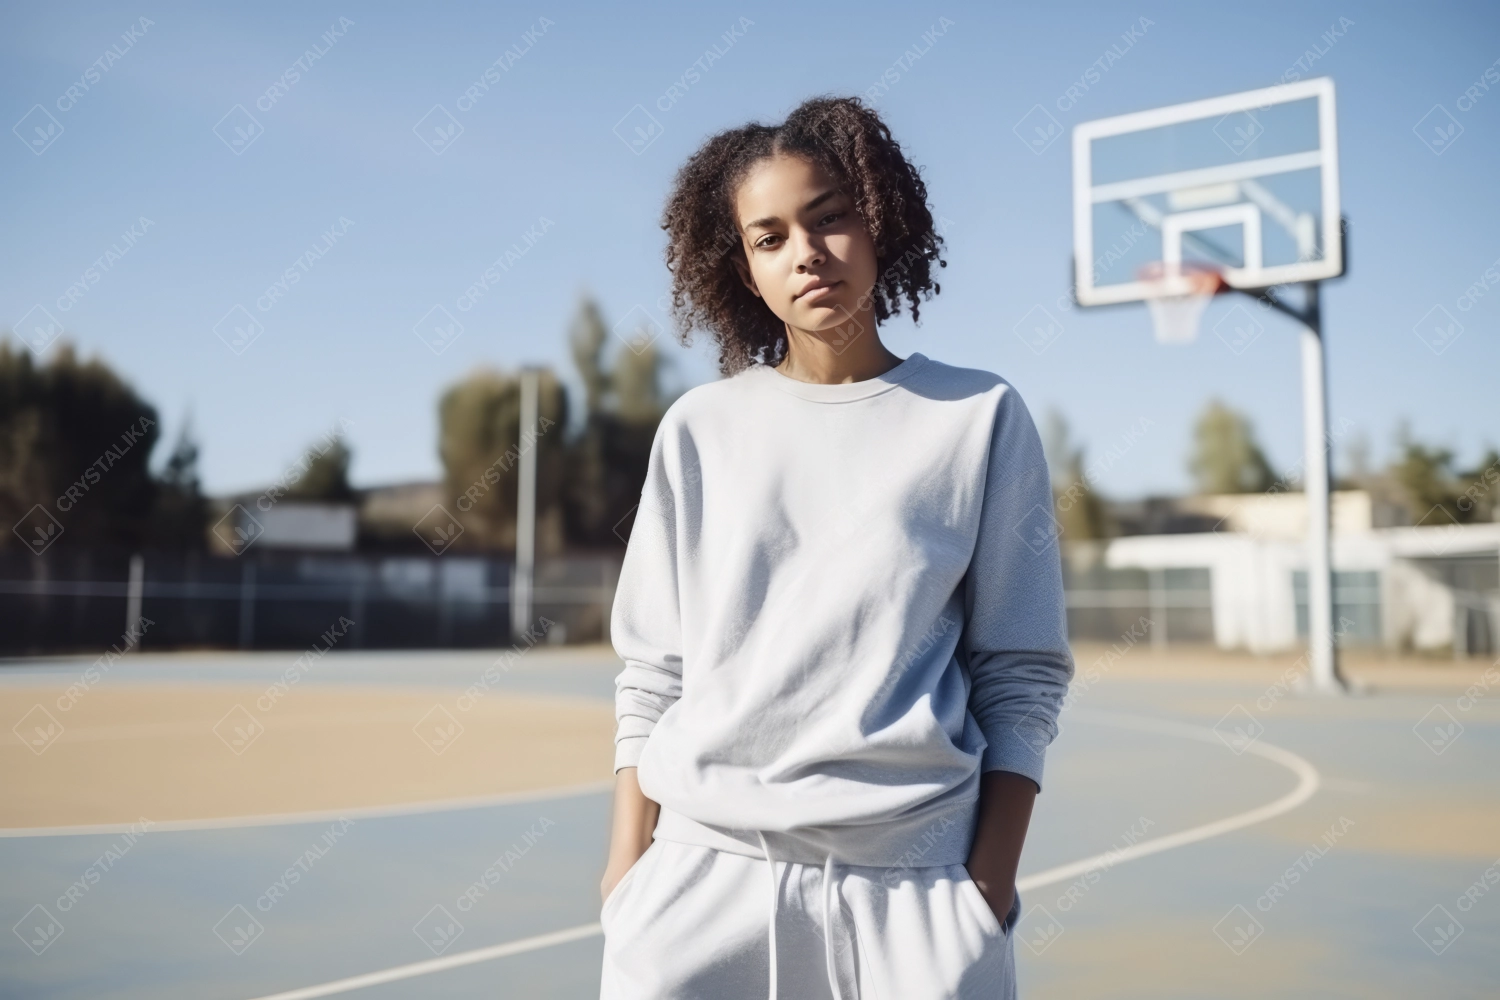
(586, 339)
(1427, 476)
(1480, 497)
(480, 445)
(625, 402)
(1080, 511)
(181, 515)
(1226, 457)
(76, 440)
(327, 474)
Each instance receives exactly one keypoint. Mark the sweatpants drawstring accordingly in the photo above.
(771, 925)
(833, 978)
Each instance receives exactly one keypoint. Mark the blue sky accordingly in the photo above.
(339, 187)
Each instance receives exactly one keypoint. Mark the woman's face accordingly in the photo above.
(810, 257)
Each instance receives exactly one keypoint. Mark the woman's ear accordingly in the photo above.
(743, 267)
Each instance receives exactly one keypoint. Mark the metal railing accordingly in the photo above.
(282, 600)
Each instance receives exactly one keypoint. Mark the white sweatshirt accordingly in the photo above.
(838, 606)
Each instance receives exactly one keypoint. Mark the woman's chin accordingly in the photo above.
(825, 317)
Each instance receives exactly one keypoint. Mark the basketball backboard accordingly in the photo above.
(1245, 184)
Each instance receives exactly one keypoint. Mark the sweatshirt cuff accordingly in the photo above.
(628, 751)
(1023, 752)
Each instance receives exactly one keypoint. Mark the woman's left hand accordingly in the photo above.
(1005, 801)
(997, 890)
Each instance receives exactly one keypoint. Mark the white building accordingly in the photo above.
(1423, 588)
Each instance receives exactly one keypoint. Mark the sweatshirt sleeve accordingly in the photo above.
(1016, 635)
(645, 624)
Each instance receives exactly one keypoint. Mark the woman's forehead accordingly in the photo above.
(779, 186)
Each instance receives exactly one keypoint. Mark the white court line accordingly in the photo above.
(439, 964)
(1307, 785)
(321, 816)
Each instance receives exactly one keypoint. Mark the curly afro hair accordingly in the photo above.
(850, 141)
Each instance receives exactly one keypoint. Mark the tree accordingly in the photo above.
(327, 474)
(1428, 479)
(608, 458)
(480, 446)
(76, 440)
(1479, 498)
(586, 484)
(181, 515)
(586, 339)
(1080, 511)
(1226, 457)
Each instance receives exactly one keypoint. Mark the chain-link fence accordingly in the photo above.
(95, 601)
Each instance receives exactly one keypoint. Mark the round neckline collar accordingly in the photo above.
(841, 392)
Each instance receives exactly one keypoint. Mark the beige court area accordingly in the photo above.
(150, 751)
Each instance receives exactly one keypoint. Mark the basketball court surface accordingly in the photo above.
(435, 825)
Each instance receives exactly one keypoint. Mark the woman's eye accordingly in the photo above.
(765, 241)
(830, 217)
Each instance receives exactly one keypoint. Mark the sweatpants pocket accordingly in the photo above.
(967, 886)
(612, 901)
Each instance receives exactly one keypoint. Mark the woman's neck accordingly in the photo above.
(849, 353)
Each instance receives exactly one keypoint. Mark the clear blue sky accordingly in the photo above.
(539, 143)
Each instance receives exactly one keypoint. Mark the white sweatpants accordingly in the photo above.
(693, 923)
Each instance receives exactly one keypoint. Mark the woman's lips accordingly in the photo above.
(815, 292)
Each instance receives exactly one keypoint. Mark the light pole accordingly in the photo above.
(523, 576)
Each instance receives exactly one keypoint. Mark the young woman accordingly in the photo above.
(840, 611)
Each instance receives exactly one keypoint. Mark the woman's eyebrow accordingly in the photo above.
(771, 220)
(830, 193)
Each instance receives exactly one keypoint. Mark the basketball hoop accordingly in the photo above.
(1177, 293)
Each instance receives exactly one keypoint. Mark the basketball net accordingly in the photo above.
(1179, 293)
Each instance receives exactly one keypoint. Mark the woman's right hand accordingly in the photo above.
(634, 822)
(613, 872)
